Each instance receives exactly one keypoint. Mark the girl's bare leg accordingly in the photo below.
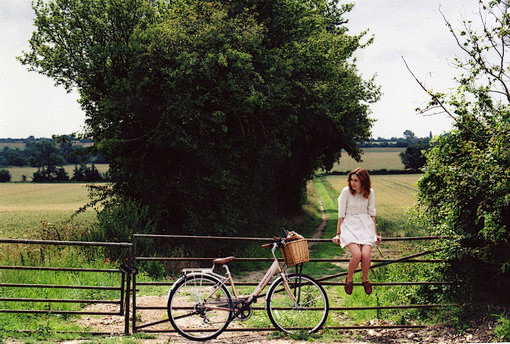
(365, 261)
(354, 262)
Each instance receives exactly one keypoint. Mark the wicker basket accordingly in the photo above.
(295, 252)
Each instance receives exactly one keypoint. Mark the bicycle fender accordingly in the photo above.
(190, 275)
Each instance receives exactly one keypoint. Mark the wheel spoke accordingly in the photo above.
(198, 309)
(308, 313)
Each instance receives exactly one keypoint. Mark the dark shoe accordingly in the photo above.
(368, 287)
(348, 287)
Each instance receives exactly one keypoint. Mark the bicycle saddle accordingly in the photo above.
(223, 260)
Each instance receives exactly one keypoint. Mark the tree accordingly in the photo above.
(46, 157)
(465, 190)
(409, 135)
(5, 176)
(212, 113)
(413, 157)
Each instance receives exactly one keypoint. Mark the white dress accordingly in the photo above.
(357, 211)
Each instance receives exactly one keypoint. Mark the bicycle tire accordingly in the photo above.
(308, 314)
(190, 316)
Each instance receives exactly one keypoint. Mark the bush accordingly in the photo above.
(83, 173)
(5, 176)
(502, 329)
(118, 221)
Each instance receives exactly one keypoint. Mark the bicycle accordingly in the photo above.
(200, 306)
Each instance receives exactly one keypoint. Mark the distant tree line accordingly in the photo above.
(408, 138)
(50, 155)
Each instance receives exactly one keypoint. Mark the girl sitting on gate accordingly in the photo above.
(356, 227)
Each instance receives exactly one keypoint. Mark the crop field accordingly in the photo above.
(372, 159)
(25, 207)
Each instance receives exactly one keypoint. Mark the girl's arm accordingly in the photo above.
(336, 239)
(379, 238)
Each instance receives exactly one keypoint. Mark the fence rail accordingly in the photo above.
(123, 288)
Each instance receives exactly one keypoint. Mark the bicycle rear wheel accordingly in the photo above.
(308, 313)
(198, 308)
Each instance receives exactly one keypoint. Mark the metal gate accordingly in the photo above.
(123, 287)
(325, 280)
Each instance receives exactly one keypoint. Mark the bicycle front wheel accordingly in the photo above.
(199, 308)
(307, 313)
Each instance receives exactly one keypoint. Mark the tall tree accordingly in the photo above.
(465, 190)
(213, 113)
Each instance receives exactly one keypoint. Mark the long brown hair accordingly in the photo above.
(364, 178)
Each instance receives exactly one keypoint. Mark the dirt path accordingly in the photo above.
(480, 333)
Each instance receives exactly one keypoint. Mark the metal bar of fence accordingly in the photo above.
(60, 301)
(341, 260)
(32, 311)
(352, 308)
(19, 285)
(206, 237)
(65, 242)
(238, 283)
(381, 262)
(86, 333)
(379, 265)
(37, 268)
(271, 329)
(125, 295)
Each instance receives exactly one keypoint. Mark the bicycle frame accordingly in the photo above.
(274, 269)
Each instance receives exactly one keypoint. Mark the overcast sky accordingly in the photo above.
(30, 104)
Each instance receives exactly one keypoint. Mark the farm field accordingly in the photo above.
(17, 173)
(372, 159)
(24, 207)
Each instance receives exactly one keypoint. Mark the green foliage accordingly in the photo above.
(5, 176)
(212, 113)
(413, 157)
(46, 157)
(465, 190)
(502, 329)
(84, 173)
(117, 222)
(69, 148)
(12, 157)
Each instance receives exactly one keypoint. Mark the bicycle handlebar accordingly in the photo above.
(276, 240)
